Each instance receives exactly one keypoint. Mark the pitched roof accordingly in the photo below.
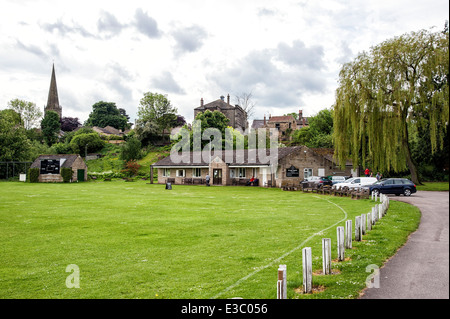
(226, 156)
(70, 158)
(217, 103)
(286, 118)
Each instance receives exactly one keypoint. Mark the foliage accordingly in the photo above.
(33, 174)
(106, 113)
(319, 132)
(68, 124)
(91, 140)
(157, 109)
(14, 145)
(66, 173)
(381, 91)
(61, 148)
(131, 168)
(28, 111)
(131, 150)
(50, 127)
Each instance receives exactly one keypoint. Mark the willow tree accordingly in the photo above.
(385, 92)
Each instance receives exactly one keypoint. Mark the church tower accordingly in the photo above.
(53, 101)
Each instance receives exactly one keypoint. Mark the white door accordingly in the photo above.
(264, 173)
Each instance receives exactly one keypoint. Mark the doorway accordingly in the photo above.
(217, 177)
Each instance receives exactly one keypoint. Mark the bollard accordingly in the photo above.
(363, 224)
(340, 243)
(374, 215)
(307, 270)
(326, 256)
(348, 234)
(358, 231)
(282, 277)
(280, 289)
(380, 211)
(369, 221)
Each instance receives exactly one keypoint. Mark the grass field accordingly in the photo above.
(135, 240)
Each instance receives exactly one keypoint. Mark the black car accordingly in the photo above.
(317, 183)
(395, 186)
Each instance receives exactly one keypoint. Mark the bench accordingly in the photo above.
(325, 190)
(187, 180)
(170, 180)
(198, 181)
(360, 193)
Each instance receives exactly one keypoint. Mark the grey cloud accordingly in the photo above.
(299, 54)
(189, 39)
(167, 83)
(32, 49)
(109, 24)
(272, 85)
(146, 24)
(117, 77)
(65, 29)
(267, 12)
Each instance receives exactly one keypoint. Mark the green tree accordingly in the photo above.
(50, 127)
(318, 133)
(131, 150)
(157, 108)
(381, 91)
(90, 142)
(28, 111)
(106, 114)
(14, 145)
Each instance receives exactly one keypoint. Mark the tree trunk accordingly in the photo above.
(409, 160)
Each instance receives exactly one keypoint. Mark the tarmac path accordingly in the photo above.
(420, 269)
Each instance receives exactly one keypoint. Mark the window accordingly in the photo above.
(232, 173)
(181, 173)
(254, 172)
(166, 172)
(197, 172)
(242, 173)
(307, 172)
(277, 126)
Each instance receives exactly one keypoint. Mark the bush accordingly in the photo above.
(66, 173)
(34, 175)
(132, 168)
(92, 140)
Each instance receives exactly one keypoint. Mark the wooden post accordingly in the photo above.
(326, 256)
(348, 234)
(307, 270)
(340, 243)
(369, 221)
(151, 174)
(363, 224)
(380, 211)
(358, 228)
(374, 215)
(283, 279)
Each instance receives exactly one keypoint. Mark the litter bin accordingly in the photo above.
(168, 185)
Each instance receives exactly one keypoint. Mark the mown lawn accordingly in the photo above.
(136, 240)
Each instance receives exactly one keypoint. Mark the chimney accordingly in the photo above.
(264, 119)
(228, 99)
(201, 102)
(300, 114)
(222, 98)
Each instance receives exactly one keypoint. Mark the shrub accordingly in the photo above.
(66, 173)
(132, 168)
(34, 175)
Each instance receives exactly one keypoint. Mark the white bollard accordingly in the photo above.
(283, 278)
(363, 224)
(280, 289)
(374, 214)
(369, 221)
(380, 211)
(326, 256)
(307, 270)
(340, 243)
(348, 234)
(358, 231)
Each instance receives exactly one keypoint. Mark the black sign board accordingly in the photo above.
(292, 172)
(49, 166)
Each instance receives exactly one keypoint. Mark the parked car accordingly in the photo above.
(395, 186)
(356, 182)
(318, 182)
(337, 179)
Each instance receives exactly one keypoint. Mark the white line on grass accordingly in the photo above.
(237, 283)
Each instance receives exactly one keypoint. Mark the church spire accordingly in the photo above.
(53, 101)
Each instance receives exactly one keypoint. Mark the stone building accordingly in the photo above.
(293, 164)
(53, 101)
(50, 167)
(236, 115)
(284, 124)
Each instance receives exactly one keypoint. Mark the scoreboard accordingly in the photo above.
(50, 166)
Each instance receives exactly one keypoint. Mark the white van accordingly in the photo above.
(356, 182)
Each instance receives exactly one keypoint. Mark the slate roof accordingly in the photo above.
(70, 158)
(286, 118)
(282, 152)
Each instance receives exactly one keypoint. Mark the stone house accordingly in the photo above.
(50, 167)
(291, 166)
(236, 115)
(284, 124)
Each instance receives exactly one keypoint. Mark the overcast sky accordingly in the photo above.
(287, 53)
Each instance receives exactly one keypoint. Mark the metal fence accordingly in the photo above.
(9, 170)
